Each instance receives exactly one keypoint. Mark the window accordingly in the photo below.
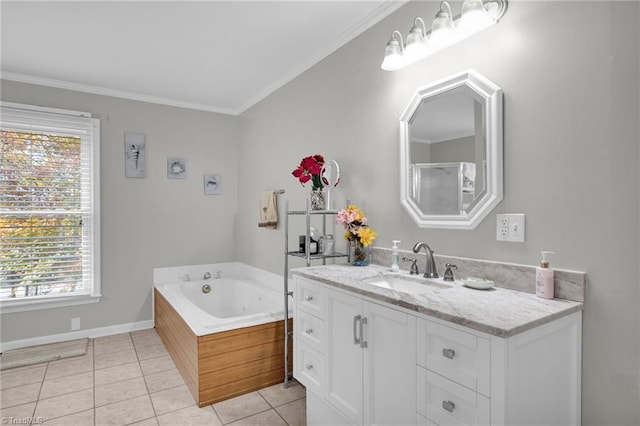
(49, 208)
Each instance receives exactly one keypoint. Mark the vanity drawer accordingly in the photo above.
(444, 402)
(460, 356)
(310, 297)
(309, 368)
(310, 331)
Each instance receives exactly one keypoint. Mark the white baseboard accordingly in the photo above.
(92, 333)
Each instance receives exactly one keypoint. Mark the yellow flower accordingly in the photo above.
(367, 235)
(353, 219)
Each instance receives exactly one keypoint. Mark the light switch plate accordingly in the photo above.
(510, 227)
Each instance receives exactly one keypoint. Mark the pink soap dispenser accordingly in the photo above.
(544, 278)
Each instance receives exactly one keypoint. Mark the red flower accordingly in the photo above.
(310, 168)
(298, 172)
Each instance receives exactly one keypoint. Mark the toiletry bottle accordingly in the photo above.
(328, 244)
(313, 242)
(395, 256)
(321, 243)
(544, 278)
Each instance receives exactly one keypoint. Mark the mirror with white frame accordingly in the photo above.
(451, 152)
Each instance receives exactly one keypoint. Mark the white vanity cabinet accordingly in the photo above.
(371, 356)
(309, 366)
(453, 372)
(368, 362)
(356, 358)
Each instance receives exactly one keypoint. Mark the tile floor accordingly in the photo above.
(130, 379)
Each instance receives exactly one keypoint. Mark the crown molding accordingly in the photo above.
(380, 12)
(98, 90)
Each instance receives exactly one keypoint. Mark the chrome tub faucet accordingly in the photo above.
(430, 267)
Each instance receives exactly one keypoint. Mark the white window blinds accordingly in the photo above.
(49, 221)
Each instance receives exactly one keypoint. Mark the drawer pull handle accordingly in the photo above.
(308, 330)
(448, 405)
(308, 298)
(448, 353)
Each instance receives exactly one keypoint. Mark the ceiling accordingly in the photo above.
(220, 56)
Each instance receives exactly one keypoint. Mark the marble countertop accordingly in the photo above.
(497, 311)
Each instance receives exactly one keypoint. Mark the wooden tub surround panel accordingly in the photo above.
(223, 365)
(180, 341)
(236, 362)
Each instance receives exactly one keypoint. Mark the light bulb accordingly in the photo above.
(392, 56)
(474, 17)
(442, 30)
(416, 46)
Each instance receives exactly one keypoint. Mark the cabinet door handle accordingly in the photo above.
(309, 366)
(308, 330)
(308, 298)
(356, 320)
(448, 405)
(363, 322)
(448, 353)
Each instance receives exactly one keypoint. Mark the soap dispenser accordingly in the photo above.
(544, 278)
(395, 256)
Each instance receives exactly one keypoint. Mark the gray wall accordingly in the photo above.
(150, 222)
(570, 75)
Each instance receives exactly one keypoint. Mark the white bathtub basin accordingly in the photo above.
(243, 296)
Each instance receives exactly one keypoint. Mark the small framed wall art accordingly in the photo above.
(176, 168)
(134, 155)
(212, 185)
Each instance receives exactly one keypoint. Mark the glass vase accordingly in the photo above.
(318, 200)
(360, 254)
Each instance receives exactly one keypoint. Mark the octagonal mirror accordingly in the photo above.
(451, 152)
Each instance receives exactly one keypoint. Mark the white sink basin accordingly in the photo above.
(406, 284)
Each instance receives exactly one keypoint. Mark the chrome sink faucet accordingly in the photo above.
(414, 266)
(430, 268)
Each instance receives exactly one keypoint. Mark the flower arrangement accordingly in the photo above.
(354, 221)
(358, 233)
(311, 169)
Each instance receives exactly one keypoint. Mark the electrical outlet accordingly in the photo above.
(75, 324)
(510, 227)
(503, 232)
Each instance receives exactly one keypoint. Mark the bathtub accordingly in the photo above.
(226, 342)
(242, 296)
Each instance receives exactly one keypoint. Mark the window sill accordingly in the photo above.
(11, 306)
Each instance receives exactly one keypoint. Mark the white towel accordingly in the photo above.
(267, 210)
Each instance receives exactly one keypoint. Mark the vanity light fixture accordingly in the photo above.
(442, 31)
(446, 30)
(393, 53)
(416, 46)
